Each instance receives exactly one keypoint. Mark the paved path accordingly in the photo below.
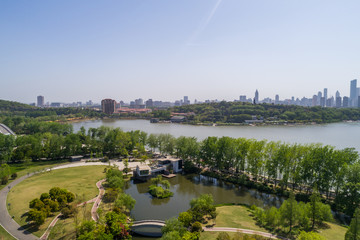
(94, 208)
(94, 214)
(12, 227)
(240, 230)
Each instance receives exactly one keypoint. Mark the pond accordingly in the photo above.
(187, 187)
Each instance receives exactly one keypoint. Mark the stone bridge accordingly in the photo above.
(143, 227)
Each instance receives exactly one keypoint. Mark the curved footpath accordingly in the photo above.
(241, 230)
(6, 221)
(94, 208)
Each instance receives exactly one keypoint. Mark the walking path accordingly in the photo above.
(240, 230)
(8, 223)
(94, 208)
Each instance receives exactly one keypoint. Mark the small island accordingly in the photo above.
(159, 188)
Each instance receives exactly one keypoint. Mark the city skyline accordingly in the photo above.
(217, 49)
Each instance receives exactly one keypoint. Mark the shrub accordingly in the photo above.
(196, 227)
(4, 180)
(14, 175)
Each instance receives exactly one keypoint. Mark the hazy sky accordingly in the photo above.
(78, 50)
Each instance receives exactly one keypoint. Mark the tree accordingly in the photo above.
(289, 212)
(173, 225)
(202, 206)
(314, 207)
(353, 233)
(125, 201)
(185, 218)
(37, 216)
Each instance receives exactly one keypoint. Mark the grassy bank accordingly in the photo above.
(241, 217)
(4, 234)
(78, 180)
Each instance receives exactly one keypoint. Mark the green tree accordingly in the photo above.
(353, 233)
(289, 212)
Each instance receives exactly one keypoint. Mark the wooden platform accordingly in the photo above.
(169, 176)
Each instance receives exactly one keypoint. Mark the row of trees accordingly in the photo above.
(238, 112)
(336, 173)
(293, 214)
(97, 141)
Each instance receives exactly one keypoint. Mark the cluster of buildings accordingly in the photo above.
(320, 99)
(41, 103)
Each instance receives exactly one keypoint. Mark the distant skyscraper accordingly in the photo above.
(337, 94)
(108, 106)
(338, 101)
(319, 96)
(40, 101)
(325, 96)
(345, 102)
(322, 102)
(256, 99)
(186, 100)
(314, 100)
(243, 98)
(353, 93)
(277, 99)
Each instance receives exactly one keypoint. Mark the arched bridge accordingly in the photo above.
(148, 228)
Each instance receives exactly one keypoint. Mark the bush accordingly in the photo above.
(196, 227)
(4, 180)
(14, 175)
(223, 236)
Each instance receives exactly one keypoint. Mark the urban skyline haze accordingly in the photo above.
(207, 49)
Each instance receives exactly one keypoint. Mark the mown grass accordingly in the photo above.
(4, 235)
(21, 169)
(241, 217)
(78, 180)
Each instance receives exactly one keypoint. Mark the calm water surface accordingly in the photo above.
(340, 135)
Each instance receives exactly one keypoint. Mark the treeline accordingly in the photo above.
(96, 142)
(238, 112)
(273, 167)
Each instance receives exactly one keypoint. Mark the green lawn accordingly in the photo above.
(4, 235)
(236, 217)
(22, 169)
(78, 180)
(240, 217)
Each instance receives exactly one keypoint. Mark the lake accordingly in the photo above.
(341, 135)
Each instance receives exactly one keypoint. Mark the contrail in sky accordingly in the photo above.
(203, 24)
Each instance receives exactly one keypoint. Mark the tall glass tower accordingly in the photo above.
(353, 93)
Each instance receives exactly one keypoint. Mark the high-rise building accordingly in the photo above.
(149, 103)
(256, 99)
(337, 94)
(40, 101)
(186, 100)
(277, 99)
(358, 102)
(345, 102)
(322, 102)
(353, 93)
(243, 98)
(108, 106)
(325, 96)
(314, 101)
(338, 102)
(319, 96)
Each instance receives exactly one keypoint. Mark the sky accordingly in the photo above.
(86, 50)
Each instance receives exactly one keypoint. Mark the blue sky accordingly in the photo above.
(162, 49)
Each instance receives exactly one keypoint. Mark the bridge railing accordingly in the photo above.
(148, 221)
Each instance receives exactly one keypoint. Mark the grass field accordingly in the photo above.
(65, 228)
(78, 180)
(4, 235)
(240, 217)
(22, 169)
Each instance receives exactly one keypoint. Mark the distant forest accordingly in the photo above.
(238, 112)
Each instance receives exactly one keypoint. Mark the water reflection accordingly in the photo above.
(187, 187)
